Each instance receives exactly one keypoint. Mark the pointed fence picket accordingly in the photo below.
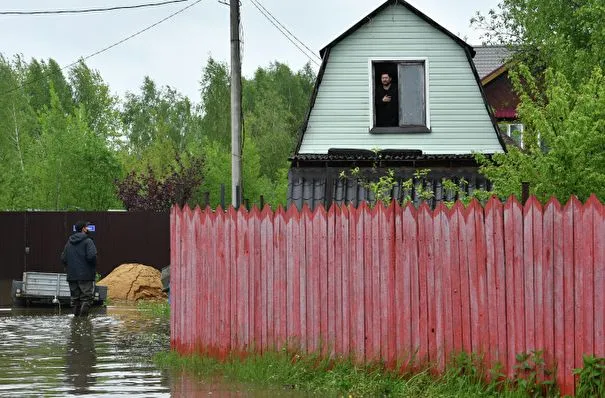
(395, 284)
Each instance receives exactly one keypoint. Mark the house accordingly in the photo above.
(440, 117)
(492, 63)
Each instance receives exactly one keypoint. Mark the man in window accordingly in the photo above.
(386, 102)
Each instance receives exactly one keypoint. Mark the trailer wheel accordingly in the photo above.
(18, 301)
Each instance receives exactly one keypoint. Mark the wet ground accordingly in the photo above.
(50, 353)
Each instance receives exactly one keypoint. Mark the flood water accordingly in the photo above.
(50, 353)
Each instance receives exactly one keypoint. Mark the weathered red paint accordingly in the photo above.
(509, 282)
(393, 284)
(548, 280)
(492, 291)
(456, 288)
(439, 291)
(599, 281)
(357, 333)
(427, 264)
(474, 210)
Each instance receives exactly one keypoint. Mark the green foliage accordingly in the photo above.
(65, 139)
(216, 103)
(564, 140)
(52, 159)
(380, 184)
(565, 35)
(471, 368)
(458, 190)
(422, 191)
(16, 135)
(381, 189)
(154, 309)
(218, 171)
(274, 104)
(532, 377)
(73, 168)
(558, 71)
(92, 94)
(158, 115)
(592, 378)
(41, 77)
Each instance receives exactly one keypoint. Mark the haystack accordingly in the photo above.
(132, 282)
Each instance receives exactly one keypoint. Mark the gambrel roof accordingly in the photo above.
(410, 7)
(469, 51)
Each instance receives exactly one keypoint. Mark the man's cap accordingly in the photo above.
(81, 224)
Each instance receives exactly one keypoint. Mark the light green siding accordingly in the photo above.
(340, 117)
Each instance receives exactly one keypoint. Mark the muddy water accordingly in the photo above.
(45, 353)
(49, 353)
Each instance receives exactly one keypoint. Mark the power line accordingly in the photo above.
(108, 47)
(286, 29)
(258, 7)
(90, 10)
(279, 26)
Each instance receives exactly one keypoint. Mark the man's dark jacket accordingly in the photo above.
(387, 113)
(80, 257)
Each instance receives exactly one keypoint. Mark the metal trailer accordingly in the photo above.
(46, 288)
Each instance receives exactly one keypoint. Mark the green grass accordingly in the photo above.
(310, 374)
(154, 308)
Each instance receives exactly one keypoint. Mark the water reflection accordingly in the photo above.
(48, 352)
(44, 352)
(80, 356)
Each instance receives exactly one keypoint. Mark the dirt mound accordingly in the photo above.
(133, 282)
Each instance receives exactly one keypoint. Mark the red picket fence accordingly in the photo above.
(396, 284)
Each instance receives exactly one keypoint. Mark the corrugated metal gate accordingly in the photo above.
(33, 241)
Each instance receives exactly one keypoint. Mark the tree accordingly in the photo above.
(64, 141)
(19, 121)
(274, 105)
(157, 118)
(146, 192)
(39, 78)
(566, 35)
(564, 140)
(216, 102)
(558, 73)
(93, 94)
(70, 167)
(217, 171)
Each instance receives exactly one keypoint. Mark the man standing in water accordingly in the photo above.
(80, 258)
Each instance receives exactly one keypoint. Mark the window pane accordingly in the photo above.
(411, 94)
(516, 132)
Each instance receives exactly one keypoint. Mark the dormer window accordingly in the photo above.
(399, 96)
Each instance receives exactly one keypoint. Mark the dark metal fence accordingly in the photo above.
(33, 241)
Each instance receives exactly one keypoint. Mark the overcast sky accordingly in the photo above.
(174, 52)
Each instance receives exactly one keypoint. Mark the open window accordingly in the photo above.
(514, 131)
(399, 96)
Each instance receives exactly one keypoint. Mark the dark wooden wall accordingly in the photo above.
(33, 241)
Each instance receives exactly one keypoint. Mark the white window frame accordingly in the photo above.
(424, 60)
(509, 131)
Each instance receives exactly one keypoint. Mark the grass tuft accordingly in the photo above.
(342, 377)
(154, 308)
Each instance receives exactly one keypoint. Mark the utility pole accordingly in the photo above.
(236, 106)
